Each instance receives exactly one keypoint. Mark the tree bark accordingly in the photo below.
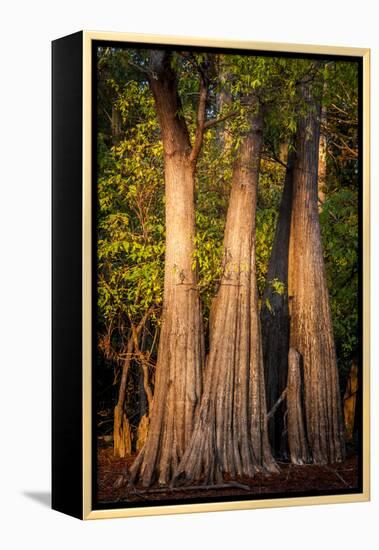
(122, 443)
(311, 331)
(224, 100)
(181, 347)
(275, 316)
(230, 433)
(146, 394)
(297, 438)
(116, 125)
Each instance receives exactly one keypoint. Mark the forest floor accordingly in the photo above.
(113, 477)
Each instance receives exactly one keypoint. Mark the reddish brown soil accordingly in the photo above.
(113, 477)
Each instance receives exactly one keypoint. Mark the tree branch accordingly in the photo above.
(142, 322)
(273, 158)
(214, 121)
(275, 407)
(139, 68)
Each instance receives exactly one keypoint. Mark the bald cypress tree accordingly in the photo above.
(275, 320)
(180, 354)
(230, 431)
(311, 332)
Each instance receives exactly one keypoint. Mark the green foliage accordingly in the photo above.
(268, 305)
(269, 194)
(130, 212)
(278, 286)
(339, 223)
(131, 221)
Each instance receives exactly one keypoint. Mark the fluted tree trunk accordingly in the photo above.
(230, 433)
(180, 352)
(311, 332)
(275, 320)
(297, 436)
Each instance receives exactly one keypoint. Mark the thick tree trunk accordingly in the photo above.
(297, 438)
(311, 331)
(180, 353)
(275, 316)
(230, 434)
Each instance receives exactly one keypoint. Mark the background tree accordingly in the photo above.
(130, 245)
(274, 315)
(311, 331)
(275, 319)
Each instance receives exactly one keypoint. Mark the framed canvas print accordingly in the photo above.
(210, 275)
